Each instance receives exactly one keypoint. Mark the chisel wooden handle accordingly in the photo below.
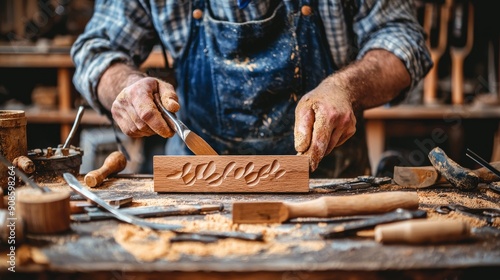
(422, 231)
(360, 204)
(114, 163)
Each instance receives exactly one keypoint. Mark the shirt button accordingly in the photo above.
(197, 14)
(306, 10)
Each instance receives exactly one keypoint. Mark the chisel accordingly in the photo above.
(149, 211)
(326, 206)
(351, 228)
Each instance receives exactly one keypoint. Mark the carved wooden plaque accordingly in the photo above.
(217, 174)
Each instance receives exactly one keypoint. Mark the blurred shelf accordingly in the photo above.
(26, 59)
(434, 112)
(60, 59)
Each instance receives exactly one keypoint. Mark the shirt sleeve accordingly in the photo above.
(392, 25)
(119, 31)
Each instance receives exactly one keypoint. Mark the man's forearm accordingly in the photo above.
(373, 81)
(114, 80)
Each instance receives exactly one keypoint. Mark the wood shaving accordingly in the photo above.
(147, 245)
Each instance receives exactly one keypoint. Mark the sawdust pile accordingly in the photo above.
(432, 198)
(471, 221)
(148, 245)
(453, 198)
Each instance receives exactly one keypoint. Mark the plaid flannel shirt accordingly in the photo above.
(126, 31)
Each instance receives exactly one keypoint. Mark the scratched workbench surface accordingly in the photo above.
(109, 249)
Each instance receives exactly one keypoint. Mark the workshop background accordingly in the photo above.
(36, 73)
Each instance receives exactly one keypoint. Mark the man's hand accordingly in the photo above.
(324, 119)
(136, 113)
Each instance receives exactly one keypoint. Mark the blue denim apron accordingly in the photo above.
(239, 83)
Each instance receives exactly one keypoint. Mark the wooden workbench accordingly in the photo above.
(89, 250)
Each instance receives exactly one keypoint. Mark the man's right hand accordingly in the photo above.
(135, 112)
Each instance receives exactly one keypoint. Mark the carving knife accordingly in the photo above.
(192, 140)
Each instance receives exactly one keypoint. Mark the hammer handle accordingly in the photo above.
(114, 163)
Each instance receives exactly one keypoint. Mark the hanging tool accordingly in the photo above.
(114, 163)
(326, 206)
(458, 176)
(192, 140)
(418, 177)
(422, 231)
(461, 41)
(436, 18)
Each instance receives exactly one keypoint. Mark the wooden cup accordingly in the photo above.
(44, 212)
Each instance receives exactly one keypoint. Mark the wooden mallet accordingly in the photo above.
(114, 163)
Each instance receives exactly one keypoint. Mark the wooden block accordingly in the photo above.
(225, 174)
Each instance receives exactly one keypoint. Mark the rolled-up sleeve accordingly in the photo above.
(392, 25)
(119, 31)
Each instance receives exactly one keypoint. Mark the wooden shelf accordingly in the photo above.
(61, 60)
(416, 112)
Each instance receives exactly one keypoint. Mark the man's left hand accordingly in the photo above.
(324, 119)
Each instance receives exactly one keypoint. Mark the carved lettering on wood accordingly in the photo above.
(231, 173)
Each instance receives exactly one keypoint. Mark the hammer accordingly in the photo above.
(114, 163)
